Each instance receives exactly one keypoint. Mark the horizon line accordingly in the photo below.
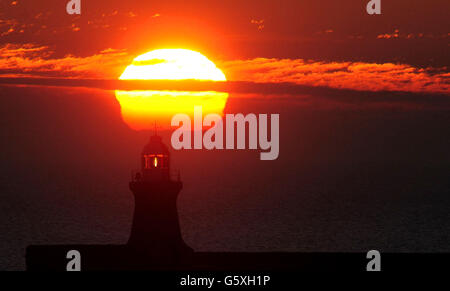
(200, 85)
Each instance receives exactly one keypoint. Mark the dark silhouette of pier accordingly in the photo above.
(155, 241)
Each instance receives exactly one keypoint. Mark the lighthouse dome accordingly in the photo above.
(155, 147)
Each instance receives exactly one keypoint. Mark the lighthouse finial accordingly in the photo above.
(156, 133)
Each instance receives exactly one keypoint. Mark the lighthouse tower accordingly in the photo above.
(156, 231)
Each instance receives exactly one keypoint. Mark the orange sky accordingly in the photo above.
(315, 43)
(33, 61)
(409, 31)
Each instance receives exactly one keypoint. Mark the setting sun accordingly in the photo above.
(140, 109)
(172, 64)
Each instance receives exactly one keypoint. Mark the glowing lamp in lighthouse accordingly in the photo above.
(155, 160)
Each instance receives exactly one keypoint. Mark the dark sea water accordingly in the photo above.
(352, 175)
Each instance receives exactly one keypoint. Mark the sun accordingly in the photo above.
(172, 64)
(141, 109)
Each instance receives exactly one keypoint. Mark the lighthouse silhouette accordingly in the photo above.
(156, 243)
(155, 229)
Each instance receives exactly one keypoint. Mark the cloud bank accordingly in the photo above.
(37, 61)
(341, 75)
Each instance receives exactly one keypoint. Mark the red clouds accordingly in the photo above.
(36, 61)
(340, 75)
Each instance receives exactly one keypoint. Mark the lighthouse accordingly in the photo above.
(155, 229)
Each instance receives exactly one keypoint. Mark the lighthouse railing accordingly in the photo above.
(137, 175)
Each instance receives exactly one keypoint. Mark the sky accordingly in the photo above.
(364, 123)
(315, 43)
(231, 29)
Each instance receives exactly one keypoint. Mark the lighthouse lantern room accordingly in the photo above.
(155, 165)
